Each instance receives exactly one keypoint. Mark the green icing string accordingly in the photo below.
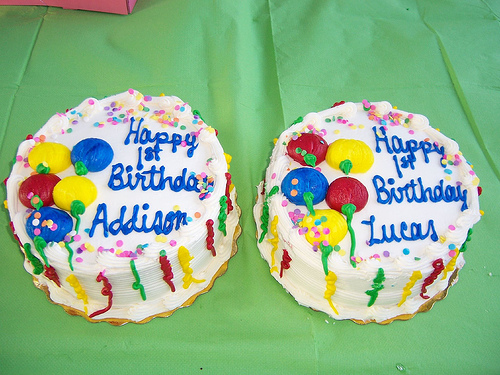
(77, 209)
(38, 266)
(222, 214)
(463, 248)
(137, 285)
(42, 169)
(345, 166)
(308, 198)
(264, 218)
(70, 256)
(40, 244)
(80, 168)
(377, 286)
(348, 210)
(299, 119)
(325, 252)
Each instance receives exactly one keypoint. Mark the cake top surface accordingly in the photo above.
(145, 169)
(421, 192)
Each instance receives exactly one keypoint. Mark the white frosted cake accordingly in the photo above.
(365, 212)
(124, 207)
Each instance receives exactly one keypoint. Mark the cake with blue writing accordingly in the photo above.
(124, 207)
(365, 212)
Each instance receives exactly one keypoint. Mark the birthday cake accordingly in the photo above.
(365, 212)
(124, 207)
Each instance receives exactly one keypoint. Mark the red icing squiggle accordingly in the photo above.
(51, 274)
(105, 291)
(285, 262)
(228, 184)
(166, 267)
(210, 236)
(438, 268)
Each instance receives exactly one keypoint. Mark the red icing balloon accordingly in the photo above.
(313, 144)
(38, 184)
(345, 190)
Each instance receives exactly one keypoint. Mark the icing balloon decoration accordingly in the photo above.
(49, 157)
(92, 155)
(350, 155)
(38, 184)
(74, 188)
(345, 190)
(347, 195)
(305, 187)
(307, 149)
(325, 225)
(49, 223)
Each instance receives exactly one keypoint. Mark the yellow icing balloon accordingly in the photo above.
(358, 152)
(325, 225)
(54, 155)
(74, 188)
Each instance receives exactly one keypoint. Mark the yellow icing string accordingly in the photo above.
(451, 265)
(228, 160)
(184, 260)
(330, 279)
(80, 293)
(416, 275)
(274, 241)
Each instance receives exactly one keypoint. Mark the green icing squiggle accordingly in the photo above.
(137, 285)
(38, 266)
(222, 214)
(264, 218)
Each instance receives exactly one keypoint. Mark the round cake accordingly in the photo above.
(365, 212)
(124, 207)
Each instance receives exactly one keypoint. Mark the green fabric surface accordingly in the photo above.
(251, 68)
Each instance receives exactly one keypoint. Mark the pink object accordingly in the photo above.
(106, 6)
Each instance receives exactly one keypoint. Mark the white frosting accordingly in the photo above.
(112, 120)
(305, 278)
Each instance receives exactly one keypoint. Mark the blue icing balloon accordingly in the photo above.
(303, 180)
(52, 224)
(96, 154)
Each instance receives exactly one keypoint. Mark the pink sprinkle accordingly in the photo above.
(91, 101)
(376, 256)
(53, 228)
(326, 231)
(177, 107)
(411, 132)
(183, 143)
(410, 116)
(119, 243)
(148, 98)
(310, 127)
(36, 231)
(77, 237)
(284, 204)
(325, 243)
(79, 260)
(471, 173)
(131, 91)
(30, 195)
(273, 176)
(173, 243)
(451, 227)
(19, 158)
(452, 253)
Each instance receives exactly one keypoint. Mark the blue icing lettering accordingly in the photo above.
(144, 136)
(121, 177)
(416, 232)
(162, 223)
(417, 192)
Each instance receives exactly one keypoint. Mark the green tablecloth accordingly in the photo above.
(251, 68)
